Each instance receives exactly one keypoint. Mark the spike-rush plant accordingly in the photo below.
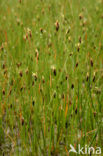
(51, 77)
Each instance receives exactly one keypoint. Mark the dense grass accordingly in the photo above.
(51, 76)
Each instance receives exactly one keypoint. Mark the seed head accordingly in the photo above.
(54, 70)
(38, 18)
(66, 125)
(41, 30)
(2, 47)
(19, 64)
(91, 62)
(68, 30)
(70, 103)
(72, 86)
(87, 76)
(69, 38)
(57, 25)
(36, 52)
(54, 95)
(3, 66)
(76, 110)
(27, 71)
(33, 102)
(76, 64)
(20, 1)
(66, 77)
(97, 90)
(78, 47)
(80, 16)
(18, 21)
(62, 96)
(11, 106)
(95, 113)
(3, 91)
(33, 83)
(20, 73)
(94, 77)
(43, 11)
(34, 76)
(22, 121)
(71, 54)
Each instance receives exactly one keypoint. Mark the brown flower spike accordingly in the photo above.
(57, 25)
